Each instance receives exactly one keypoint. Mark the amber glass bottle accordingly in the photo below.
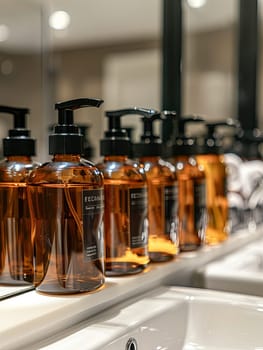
(125, 216)
(192, 218)
(66, 204)
(162, 193)
(16, 248)
(212, 160)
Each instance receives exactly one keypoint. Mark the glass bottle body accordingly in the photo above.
(192, 203)
(16, 248)
(66, 206)
(162, 208)
(125, 216)
(216, 197)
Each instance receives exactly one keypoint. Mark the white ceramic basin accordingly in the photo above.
(241, 271)
(170, 318)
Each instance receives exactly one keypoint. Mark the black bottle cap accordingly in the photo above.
(181, 144)
(116, 141)
(210, 143)
(18, 142)
(67, 138)
(248, 143)
(151, 144)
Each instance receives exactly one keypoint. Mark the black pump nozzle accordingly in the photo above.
(66, 108)
(67, 138)
(116, 141)
(181, 144)
(151, 144)
(210, 143)
(18, 142)
(19, 120)
(148, 133)
(211, 130)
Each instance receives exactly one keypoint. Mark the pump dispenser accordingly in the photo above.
(16, 254)
(125, 218)
(191, 184)
(210, 156)
(66, 203)
(162, 191)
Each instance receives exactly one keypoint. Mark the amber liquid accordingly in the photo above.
(192, 210)
(61, 263)
(16, 249)
(62, 240)
(217, 204)
(163, 234)
(120, 223)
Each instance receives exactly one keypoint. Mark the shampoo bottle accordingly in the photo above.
(162, 192)
(66, 204)
(16, 248)
(192, 217)
(211, 158)
(125, 217)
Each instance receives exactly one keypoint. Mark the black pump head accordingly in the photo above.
(151, 144)
(210, 143)
(148, 133)
(116, 141)
(18, 142)
(181, 144)
(67, 138)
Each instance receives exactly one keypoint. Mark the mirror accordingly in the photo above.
(112, 50)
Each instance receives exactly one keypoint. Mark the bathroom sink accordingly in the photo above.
(241, 272)
(169, 318)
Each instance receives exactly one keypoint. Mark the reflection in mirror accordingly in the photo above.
(210, 58)
(21, 64)
(21, 85)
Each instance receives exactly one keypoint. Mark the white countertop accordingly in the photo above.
(32, 316)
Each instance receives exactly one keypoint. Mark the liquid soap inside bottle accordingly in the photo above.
(162, 192)
(214, 167)
(16, 247)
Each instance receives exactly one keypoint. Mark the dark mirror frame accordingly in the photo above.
(247, 60)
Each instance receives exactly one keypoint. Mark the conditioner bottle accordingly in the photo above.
(125, 218)
(16, 248)
(66, 203)
(210, 156)
(192, 217)
(162, 192)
